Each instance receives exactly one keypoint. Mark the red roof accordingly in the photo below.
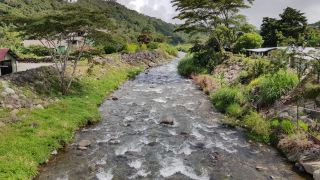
(3, 53)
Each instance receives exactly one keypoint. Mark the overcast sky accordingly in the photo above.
(262, 8)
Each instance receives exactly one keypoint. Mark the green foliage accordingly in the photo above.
(254, 68)
(287, 127)
(224, 25)
(143, 47)
(171, 50)
(184, 47)
(248, 41)
(312, 90)
(268, 88)
(189, 66)
(132, 48)
(290, 29)
(275, 123)
(37, 50)
(153, 45)
(235, 110)
(257, 124)
(227, 96)
(304, 126)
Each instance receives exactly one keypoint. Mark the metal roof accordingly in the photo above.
(262, 49)
(4, 52)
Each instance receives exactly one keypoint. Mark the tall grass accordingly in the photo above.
(188, 66)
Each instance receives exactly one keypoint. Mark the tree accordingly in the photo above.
(248, 41)
(269, 30)
(60, 27)
(293, 23)
(289, 30)
(217, 18)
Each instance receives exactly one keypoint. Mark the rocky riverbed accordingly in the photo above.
(160, 126)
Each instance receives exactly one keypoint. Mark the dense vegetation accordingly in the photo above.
(124, 26)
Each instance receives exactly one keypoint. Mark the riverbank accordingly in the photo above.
(37, 120)
(260, 96)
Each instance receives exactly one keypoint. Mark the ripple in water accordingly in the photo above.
(105, 175)
(171, 166)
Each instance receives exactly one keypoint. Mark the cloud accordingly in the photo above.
(261, 8)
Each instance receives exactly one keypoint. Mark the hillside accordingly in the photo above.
(128, 22)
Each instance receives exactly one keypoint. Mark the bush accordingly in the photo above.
(248, 41)
(153, 45)
(188, 66)
(257, 124)
(312, 91)
(143, 47)
(132, 48)
(36, 50)
(268, 88)
(184, 47)
(171, 50)
(287, 127)
(235, 110)
(255, 68)
(303, 125)
(227, 96)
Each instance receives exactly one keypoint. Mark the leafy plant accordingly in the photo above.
(257, 124)
(287, 127)
(227, 96)
(132, 48)
(268, 88)
(248, 41)
(304, 126)
(188, 66)
(235, 110)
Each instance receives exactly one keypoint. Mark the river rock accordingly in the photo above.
(260, 168)
(167, 120)
(114, 98)
(84, 144)
(55, 152)
(2, 124)
(39, 106)
(311, 167)
(284, 115)
(316, 175)
(8, 90)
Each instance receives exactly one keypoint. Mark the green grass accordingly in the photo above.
(188, 66)
(26, 145)
(227, 96)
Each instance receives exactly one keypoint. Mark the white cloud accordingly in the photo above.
(261, 8)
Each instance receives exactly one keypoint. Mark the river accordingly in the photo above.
(131, 143)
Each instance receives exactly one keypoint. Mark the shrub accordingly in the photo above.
(184, 47)
(153, 45)
(268, 88)
(303, 125)
(248, 41)
(312, 91)
(257, 124)
(275, 123)
(235, 110)
(143, 47)
(132, 48)
(36, 50)
(188, 66)
(171, 50)
(206, 82)
(287, 127)
(227, 96)
(256, 67)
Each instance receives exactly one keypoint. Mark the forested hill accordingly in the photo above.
(127, 22)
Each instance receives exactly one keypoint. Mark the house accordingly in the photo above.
(8, 61)
(260, 51)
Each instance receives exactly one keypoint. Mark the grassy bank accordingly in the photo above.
(27, 144)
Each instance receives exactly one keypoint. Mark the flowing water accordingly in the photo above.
(131, 142)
